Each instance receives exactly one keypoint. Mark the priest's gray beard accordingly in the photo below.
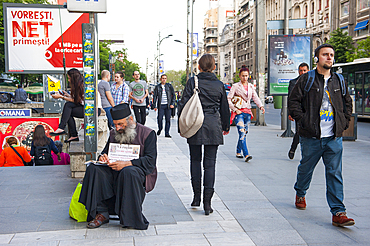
(127, 135)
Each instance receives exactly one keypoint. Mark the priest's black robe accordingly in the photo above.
(122, 191)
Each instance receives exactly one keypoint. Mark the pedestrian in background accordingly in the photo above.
(164, 100)
(65, 159)
(239, 99)
(120, 90)
(323, 113)
(20, 95)
(106, 96)
(302, 68)
(13, 155)
(73, 106)
(216, 124)
(42, 146)
(139, 91)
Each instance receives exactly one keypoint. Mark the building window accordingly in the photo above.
(363, 4)
(327, 4)
(305, 10)
(319, 5)
(312, 7)
(344, 9)
(363, 31)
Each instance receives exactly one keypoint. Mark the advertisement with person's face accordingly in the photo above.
(286, 52)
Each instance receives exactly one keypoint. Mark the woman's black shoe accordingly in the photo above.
(196, 201)
(57, 134)
(74, 139)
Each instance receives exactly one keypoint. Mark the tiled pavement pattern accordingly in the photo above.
(253, 203)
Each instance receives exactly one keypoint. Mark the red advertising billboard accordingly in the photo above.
(34, 35)
(22, 129)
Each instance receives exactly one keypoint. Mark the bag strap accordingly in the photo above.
(196, 82)
(24, 163)
(310, 79)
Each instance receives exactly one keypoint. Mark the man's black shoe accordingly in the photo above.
(159, 132)
(291, 154)
(168, 136)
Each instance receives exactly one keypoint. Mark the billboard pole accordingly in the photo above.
(285, 122)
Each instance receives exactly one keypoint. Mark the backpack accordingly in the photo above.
(311, 78)
(43, 156)
(192, 116)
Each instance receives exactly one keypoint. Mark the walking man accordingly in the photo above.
(164, 100)
(120, 90)
(106, 96)
(322, 113)
(139, 91)
(302, 68)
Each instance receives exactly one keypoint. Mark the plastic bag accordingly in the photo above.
(77, 210)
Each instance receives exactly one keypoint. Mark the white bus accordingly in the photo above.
(357, 74)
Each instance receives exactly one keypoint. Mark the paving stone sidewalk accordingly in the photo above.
(253, 202)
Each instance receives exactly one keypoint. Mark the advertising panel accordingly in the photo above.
(22, 129)
(195, 45)
(33, 38)
(286, 52)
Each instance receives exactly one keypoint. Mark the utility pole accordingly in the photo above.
(191, 38)
(260, 57)
(187, 41)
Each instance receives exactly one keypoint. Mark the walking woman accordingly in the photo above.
(216, 124)
(239, 99)
(73, 106)
(42, 146)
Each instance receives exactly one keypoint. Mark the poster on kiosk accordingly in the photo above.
(33, 35)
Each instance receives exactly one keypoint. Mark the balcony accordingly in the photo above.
(209, 27)
(210, 43)
(211, 35)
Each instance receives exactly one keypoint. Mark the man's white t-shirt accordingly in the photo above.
(326, 113)
(164, 95)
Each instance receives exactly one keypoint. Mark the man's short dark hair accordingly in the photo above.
(317, 50)
(303, 64)
(121, 74)
(19, 86)
(164, 75)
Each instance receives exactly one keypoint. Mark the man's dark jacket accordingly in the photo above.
(157, 97)
(304, 107)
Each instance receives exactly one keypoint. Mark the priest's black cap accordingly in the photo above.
(120, 111)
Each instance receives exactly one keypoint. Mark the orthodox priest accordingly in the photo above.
(119, 187)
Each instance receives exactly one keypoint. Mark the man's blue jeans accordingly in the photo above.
(330, 150)
(242, 122)
(109, 116)
(165, 111)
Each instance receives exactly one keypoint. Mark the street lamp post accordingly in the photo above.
(156, 58)
(158, 50)
(191, 37)
(187, 58)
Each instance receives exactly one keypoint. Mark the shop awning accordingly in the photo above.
(344, 27)
(361, 25)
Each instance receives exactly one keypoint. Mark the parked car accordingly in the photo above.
(269, 99)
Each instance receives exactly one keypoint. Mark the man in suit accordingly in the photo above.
(164, 101)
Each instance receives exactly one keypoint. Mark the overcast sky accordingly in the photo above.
(139, 22)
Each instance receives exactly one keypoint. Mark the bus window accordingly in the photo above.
(359, 93)
(367, 92)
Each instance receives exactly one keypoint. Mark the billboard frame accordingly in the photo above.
(269, 59)
(6, 46)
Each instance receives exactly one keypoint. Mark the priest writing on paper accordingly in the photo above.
(119, 187)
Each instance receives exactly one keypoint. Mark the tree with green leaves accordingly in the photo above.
(362, 50)
(342, 44)
(183, 79)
